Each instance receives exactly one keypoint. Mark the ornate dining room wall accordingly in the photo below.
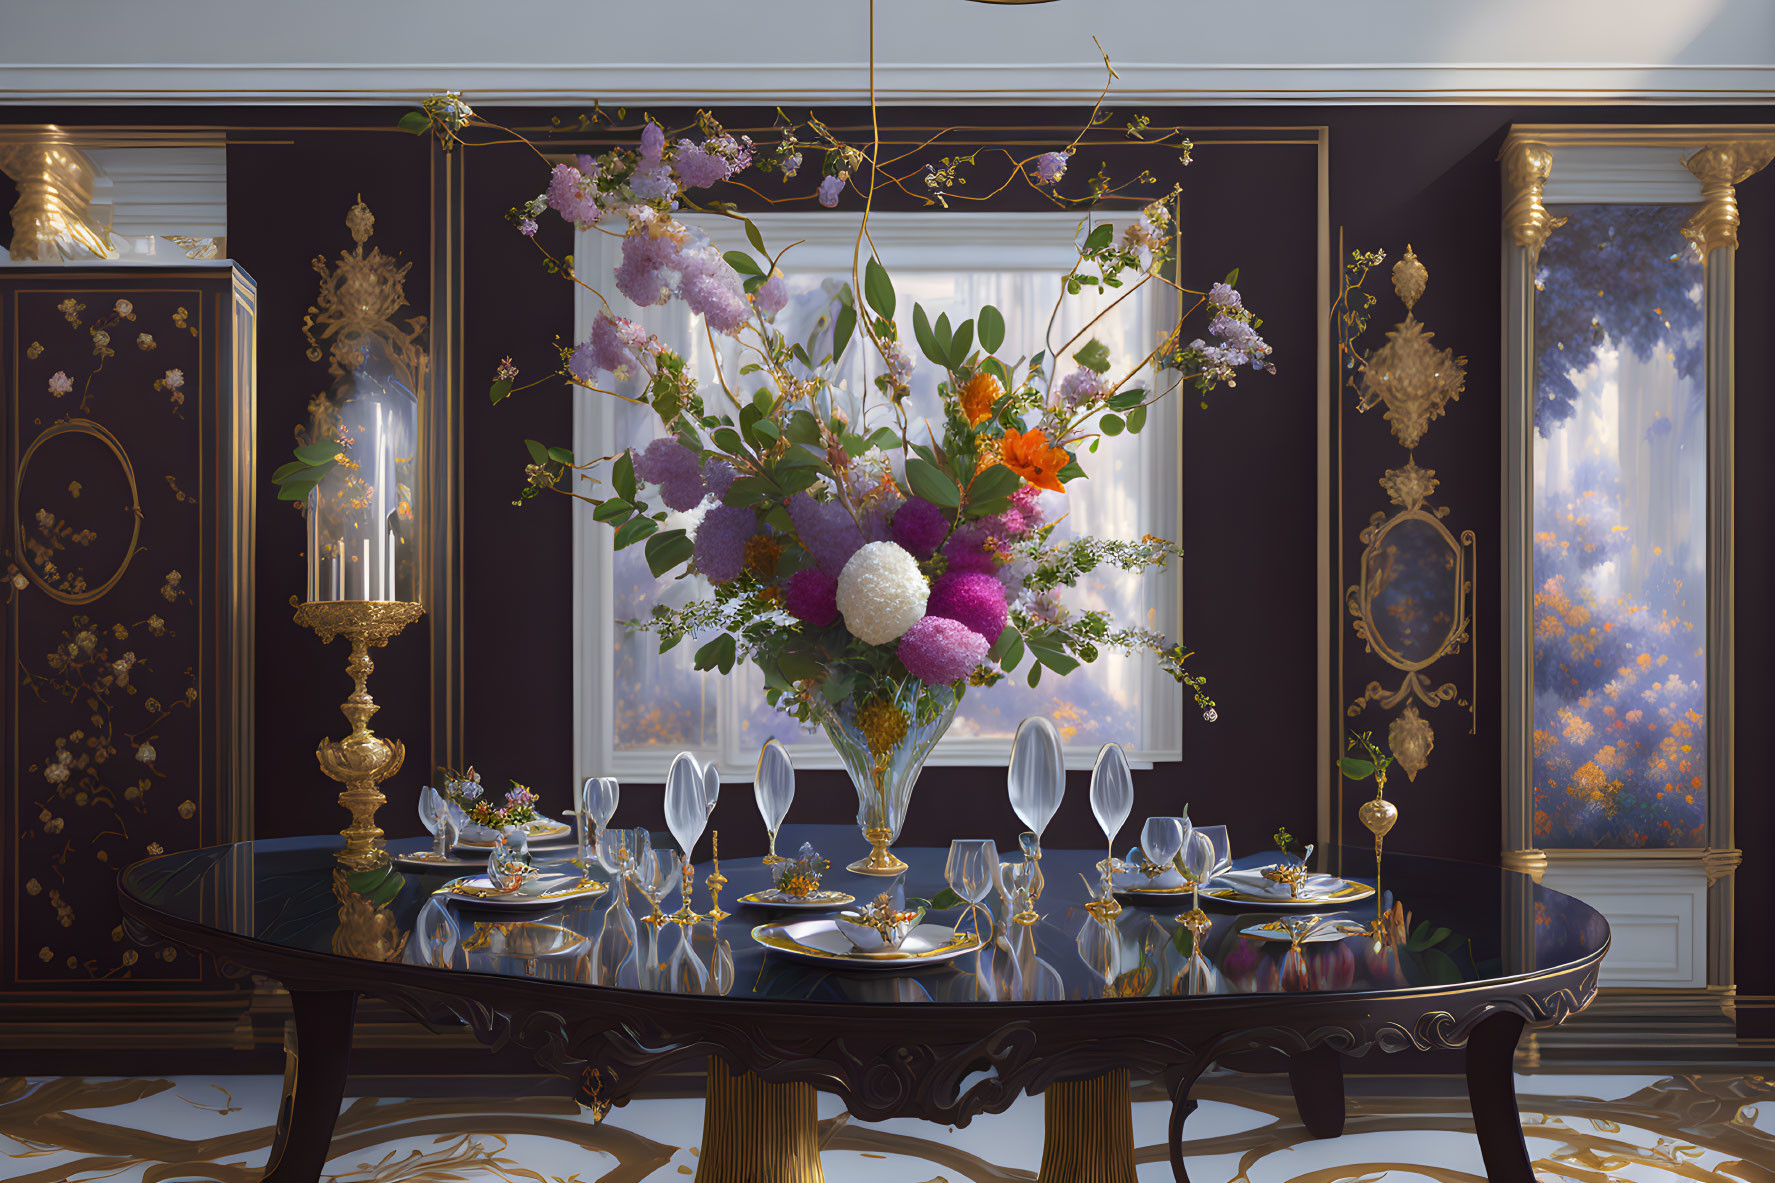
(1399, 174)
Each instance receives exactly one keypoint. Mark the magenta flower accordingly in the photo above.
(811, 596)
(938, 650)
(973, 598)
(969, 549)
(919, 526)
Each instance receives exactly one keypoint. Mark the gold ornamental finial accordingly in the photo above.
(353, 315)
(1410, 278)
(1721, 168)
(1527, 165)
(360, 221)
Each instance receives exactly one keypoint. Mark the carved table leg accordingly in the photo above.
(314, 1081)
(1181, 1107)
(1491, 1089)
(754, 1130)
(1317, 1077)
(1088, 1131)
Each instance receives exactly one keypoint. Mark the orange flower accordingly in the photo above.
(978, 396)
(1028, 455)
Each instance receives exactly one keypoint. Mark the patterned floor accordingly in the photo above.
(1714, 1128)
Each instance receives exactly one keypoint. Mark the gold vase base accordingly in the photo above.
(754, 1130)
(1105, 909)
(1088, 1131)
(881, 860)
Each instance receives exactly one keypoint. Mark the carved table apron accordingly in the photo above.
(935, 1044)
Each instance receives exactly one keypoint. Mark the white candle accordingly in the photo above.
(369, 593)
(339, 569)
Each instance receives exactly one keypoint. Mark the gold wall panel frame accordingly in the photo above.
(99, 432)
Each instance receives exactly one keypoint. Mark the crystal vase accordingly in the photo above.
(884, 735)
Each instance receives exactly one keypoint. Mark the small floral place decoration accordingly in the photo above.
(467, 793)
(800, 877)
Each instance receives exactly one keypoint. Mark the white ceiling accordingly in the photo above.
(929, 50)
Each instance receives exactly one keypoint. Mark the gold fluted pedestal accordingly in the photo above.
(362, 760)
(880, 860)
(758, 1132)
(1088, 1131)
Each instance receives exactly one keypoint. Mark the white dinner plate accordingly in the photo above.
(539, 831)
(771, 898)
(1249, 889)
(1326, 929)
(557, 891)
(820, 941)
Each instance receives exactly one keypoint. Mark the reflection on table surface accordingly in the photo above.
(1434, 922)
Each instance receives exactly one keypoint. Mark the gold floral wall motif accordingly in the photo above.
(121, 692)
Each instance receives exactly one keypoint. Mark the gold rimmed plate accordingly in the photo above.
(820, 941)
(1303, 930)
(524, 938)
(556, 891)
(1320, 891)
(540, 830)
(812, 902)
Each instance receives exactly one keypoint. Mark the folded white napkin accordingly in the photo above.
(1252, 882)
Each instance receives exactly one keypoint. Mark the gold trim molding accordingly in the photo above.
(1721, 168)
(1527, 165)
(1532, 863)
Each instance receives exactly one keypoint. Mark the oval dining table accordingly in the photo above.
(1446, 956)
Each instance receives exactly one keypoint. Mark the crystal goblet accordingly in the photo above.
(773, 787)
(972, 872)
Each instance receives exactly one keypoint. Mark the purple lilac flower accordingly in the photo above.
(716, 159)
(811, 595)
(791, 165)
(968, 548)
(574, 195)
(711, 287)
(919, 527)
(772, 295)
(830, 188)
(1223, 296)
(826, 532)
(1028, 502)
(647, 259)
(671, 467)
(973, 598)
(938, 650)
(527, 227)
(603, 350)
(718, 477)
(721, 542)
(1082, 386)
(1050, 167)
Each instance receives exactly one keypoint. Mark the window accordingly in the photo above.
(636, 708)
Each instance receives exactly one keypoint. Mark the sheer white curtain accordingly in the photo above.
(637, 707)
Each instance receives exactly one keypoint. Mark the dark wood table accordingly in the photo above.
(1466, 957)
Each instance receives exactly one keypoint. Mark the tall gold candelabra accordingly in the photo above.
(362, 760)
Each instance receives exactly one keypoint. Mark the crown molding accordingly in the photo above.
(897, 83)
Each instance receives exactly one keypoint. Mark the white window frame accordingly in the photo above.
(910, 242)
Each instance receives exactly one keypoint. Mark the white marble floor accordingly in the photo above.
(1645, 1128)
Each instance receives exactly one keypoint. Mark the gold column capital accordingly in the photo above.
(1532, 863)
(1527, 165)
(52, 218)
(1718, 862)
(1721, 168)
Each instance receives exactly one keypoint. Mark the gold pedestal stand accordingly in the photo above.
(881, 860)
(1379, 815)
(362, 760)
(754, 1130)
(1088, 1134)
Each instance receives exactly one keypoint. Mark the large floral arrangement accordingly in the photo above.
(848, 550)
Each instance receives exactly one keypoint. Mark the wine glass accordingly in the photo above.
(711, 788)
(1196, 862)
(972, 871)
(1037, 781)
(655, 873)
(1112, 799)
(773, 787)
(1160, 840)
(687, 815)
(618, 851)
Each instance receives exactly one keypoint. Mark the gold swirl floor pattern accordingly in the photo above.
(1593, 1128)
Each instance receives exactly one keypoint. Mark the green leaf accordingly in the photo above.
(499, 390)
(1356, 769)
(1441, 968)
(1123, 400)
(1232, 278)
(1035, 676)
(997, 369)
(1100, 237)
(961, 345)
(1136, 419)
(729, 441)
(561, 455)
(284, 472)
(1184, 941)
(417, 122)
(994, 482)
(319, 452)
(614, 509)
(1071, 471)
(538, 453)
(755, 238)
(633, 531)
(296, 490)
(798, 667)
(1060, 663)
(1008, 649)
(1093, 355)
(842, 327)
(878, 288)
(743, 263)
(622, 476)
(803, 428)
(931, 483)
(941, 332)
(884, 438)
(946, 899)
(666, 550)
(748, 490)
(992, 329)
(927, 340)
(1112, 424)
(717, 653)
(767, 429)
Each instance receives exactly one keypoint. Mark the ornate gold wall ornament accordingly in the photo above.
(1721, 168)
(1411, 739)
(1717, 863)
(52, 219)
(1527, 165)
(362, 760)
(354, 315)
(1411, 376)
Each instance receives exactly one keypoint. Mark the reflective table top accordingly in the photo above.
(1440, 924)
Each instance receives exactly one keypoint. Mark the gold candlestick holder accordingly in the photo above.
(716, 880)
(1379, 815)
(362, 760)
(685, 913)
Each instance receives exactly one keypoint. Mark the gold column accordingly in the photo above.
(1088, 1131)
(51, 220)
(755, 1131)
